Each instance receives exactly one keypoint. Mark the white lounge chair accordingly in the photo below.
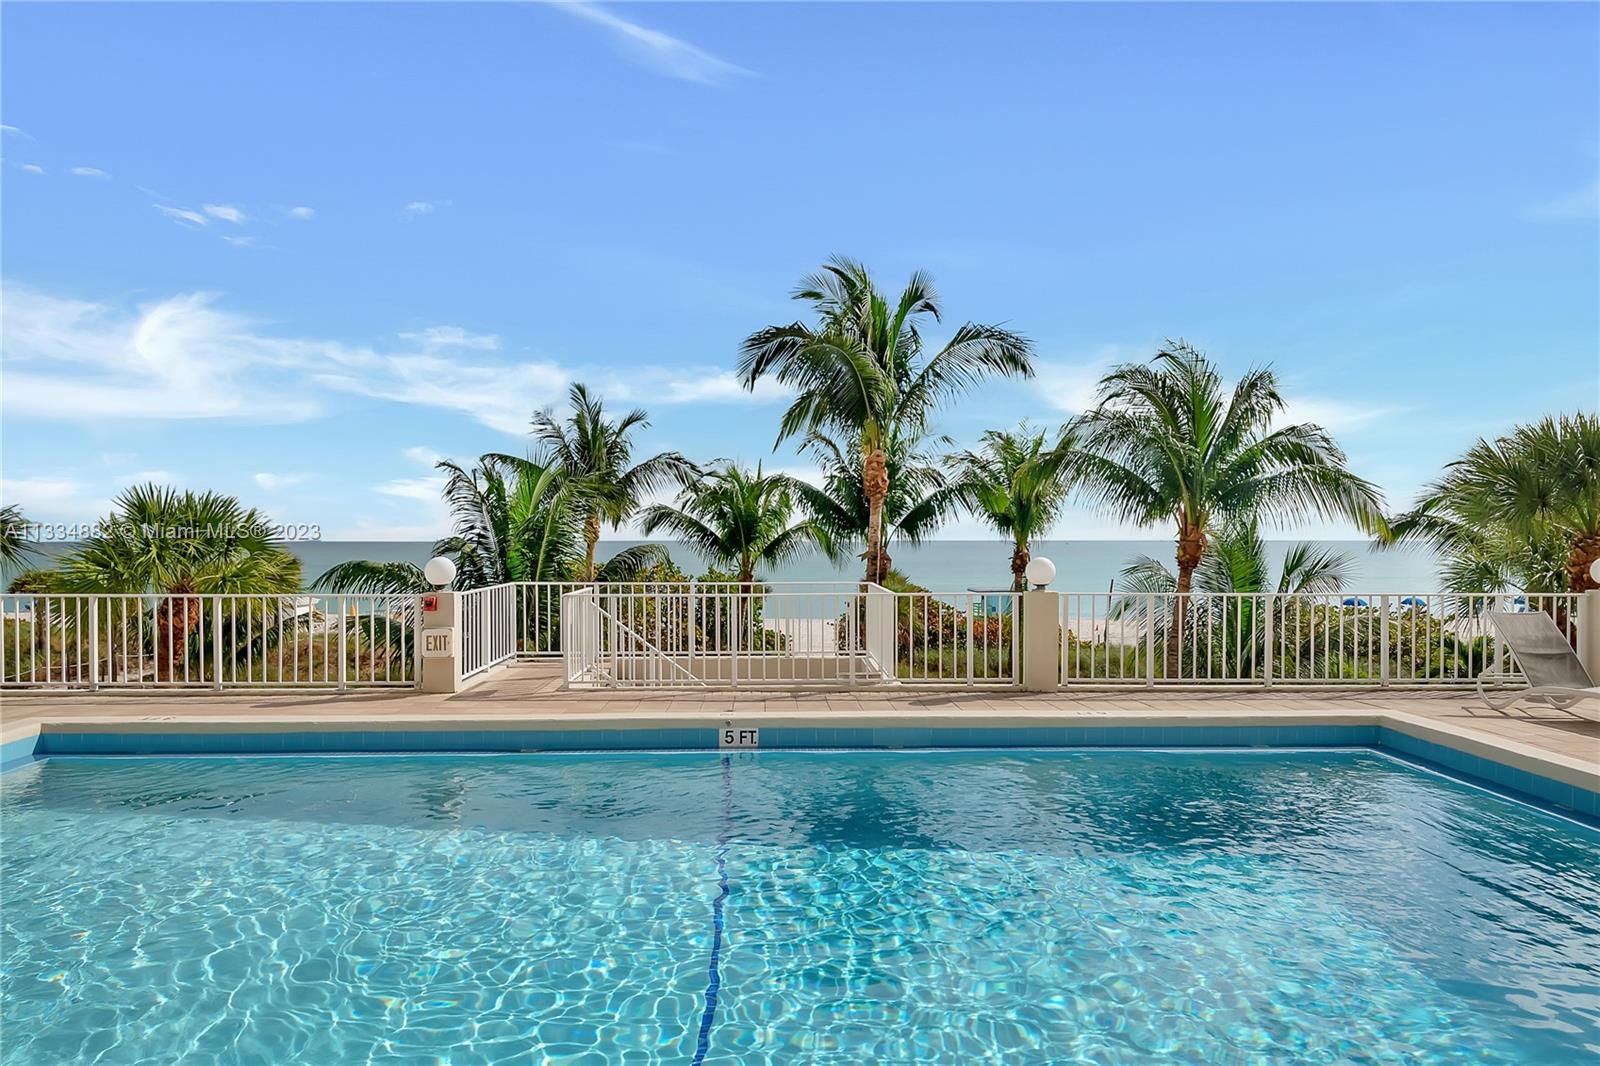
(1550, 667)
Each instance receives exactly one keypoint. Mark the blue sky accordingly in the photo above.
(294, 251)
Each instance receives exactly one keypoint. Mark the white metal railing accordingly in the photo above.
(1264, 639)
(580, 636)
(715, 633)
(813, 634)
(291, 640)
(962, 638)
(489, 633)
(538, 616)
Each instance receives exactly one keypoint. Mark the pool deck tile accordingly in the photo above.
(525, 697)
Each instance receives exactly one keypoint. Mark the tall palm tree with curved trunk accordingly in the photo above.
(595, 455)
(860, 369)
(1522, 509)
(1017, 484)
(1168, 443)
(919, 500)
(737, 518)
(179, 546)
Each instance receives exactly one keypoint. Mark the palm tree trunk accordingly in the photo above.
(1585, 550)
(745, 602)
(1191, 548)
(1019, 568)
(177, 615)
(875, 483)
(591, 538)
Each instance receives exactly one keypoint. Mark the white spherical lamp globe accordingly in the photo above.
(439, 571)
(1040, 572)
(1594, 570)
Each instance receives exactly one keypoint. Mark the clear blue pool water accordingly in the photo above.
(786, 907)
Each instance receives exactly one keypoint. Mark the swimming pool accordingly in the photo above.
(1007, 906)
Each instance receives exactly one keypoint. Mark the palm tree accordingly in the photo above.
(918, 502)
(1234, 571)
(861, 370)
(1017, 484)
(1167, 443)
(15, 550)
(738, 519)
(1521, 510)
(514, 519)
(595, 457)
(1237, 563)
(179, 546)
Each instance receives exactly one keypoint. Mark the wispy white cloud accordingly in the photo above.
(186, 357)
(1581, 203)
(423, 455)
(426, 489)
(55, 498)
(182, 215)
(300, 213)
(502, 397)
(271, 482)
(453, 337)
(1335, 415)
(421, 502)
(657, 51)
(12, 131)
(418, 208)
(39, 494)
(1071, 384)
(31, 168)
(91, 172)
(239, 242)
(709, 386)
(177, 358)
(226, 212)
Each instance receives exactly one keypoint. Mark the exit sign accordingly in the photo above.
(733, 736)
(436, 644)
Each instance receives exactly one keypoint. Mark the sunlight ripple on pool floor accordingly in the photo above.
(1111, 907)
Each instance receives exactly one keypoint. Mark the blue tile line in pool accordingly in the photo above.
(1498, 775)
(718, 920)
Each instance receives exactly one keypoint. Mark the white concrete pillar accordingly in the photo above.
(439, 643)
(1041, 641)
(1589, 632)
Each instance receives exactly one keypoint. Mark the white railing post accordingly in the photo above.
(342, 604)
(1383, 640)
(972, 614)
(1150, 640)
(1588, 613)
(94, 643)
(216, 641)
(1269, 628)
(734, 631)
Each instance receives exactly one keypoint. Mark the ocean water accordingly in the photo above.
(785, 907)
(956, 565)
